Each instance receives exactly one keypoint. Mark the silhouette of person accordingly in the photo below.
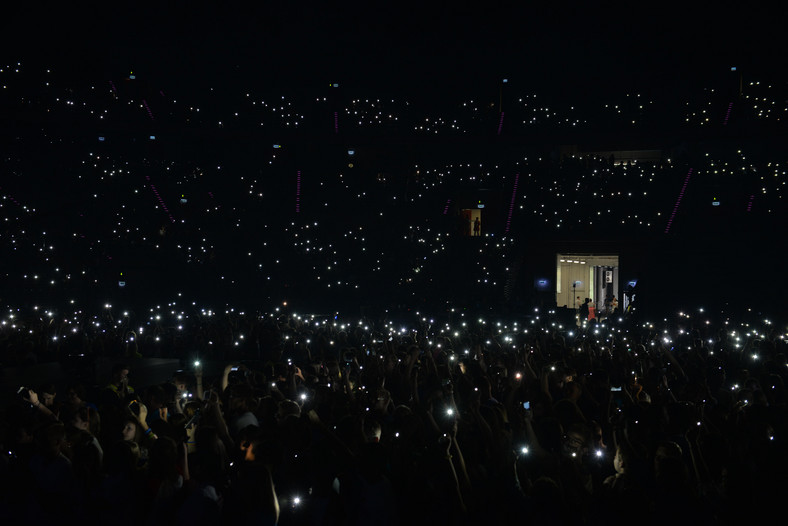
(584, 310)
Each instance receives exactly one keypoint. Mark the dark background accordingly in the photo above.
(432, 54)
(573, 47)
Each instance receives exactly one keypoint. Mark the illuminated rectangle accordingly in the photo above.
(584, 275)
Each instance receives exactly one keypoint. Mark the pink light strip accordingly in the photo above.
(298, 191)
(728, 113)
(150, 113)
(158, 196)
(678, 201)
(13, 199)
(511, 204)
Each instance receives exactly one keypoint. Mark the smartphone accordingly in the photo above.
(193, 420)
(615, 389)
(526, 405)
(134, 407)
(22, 394)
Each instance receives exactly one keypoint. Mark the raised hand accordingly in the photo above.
(32, 397)
(143, 415)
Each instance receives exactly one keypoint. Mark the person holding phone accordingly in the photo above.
(139, 415)
(33, 399)
(118, 390)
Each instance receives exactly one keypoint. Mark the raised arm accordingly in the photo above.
(32, 397)
(198, 377)
(142, 418)
(226, 376)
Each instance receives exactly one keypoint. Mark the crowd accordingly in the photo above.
(316, 420)
(133, 189)
(178, 176)
(458, 421)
